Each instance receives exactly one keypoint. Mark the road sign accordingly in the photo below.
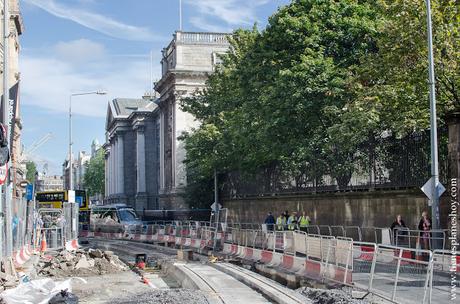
(213, 207)
(3, 173)
(30, 192)
(71, 198)
(429, 185)
(23, 183)
(79, 201)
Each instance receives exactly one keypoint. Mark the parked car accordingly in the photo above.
(118, 218)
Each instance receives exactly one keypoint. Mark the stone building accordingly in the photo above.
(45, 182)
(132, 153)
(144, 157)
(17, 169)
(186, 64)
(79, 169)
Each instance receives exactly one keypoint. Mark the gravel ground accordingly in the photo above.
(171, 296)
(329, 296)
(109, 288)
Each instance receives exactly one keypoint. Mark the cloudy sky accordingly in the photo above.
(72, 46)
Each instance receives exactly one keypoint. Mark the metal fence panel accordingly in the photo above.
(400, 278)
(444, 282)
(363, 257)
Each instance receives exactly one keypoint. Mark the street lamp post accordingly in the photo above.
(433, 124)
(70, 131)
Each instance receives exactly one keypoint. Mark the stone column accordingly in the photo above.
(140, 159)
(121, 165)
(141, 195)
(162, 151)
(112, 166)
(106, 172)
(115, 165)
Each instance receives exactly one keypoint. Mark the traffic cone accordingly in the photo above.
(43, 244)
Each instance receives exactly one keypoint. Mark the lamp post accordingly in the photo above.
(70, 131)
(433, 124)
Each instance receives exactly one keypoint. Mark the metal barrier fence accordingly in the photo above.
(400, 278)
(55, 237)
(398, 274)
(429, 240)
(445, 278)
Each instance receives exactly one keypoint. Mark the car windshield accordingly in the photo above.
(127, 215)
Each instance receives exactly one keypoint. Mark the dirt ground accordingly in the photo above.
(109, 287)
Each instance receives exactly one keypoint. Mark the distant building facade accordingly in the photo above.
(186, 64)
(49, 182)
(144, 157)
(132, 153)
(79, 166)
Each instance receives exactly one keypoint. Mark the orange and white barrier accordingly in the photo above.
(22, 256)
(72, 245)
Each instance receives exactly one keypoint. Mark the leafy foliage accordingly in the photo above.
(31, 169)
(323, 79)
(94, 174)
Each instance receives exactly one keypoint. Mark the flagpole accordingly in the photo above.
(180, 15)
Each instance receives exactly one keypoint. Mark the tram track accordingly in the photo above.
(277, 294)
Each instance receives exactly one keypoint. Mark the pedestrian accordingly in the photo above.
(424, 226)
(280, 222)
(292, 221)
(270, 221)
(286, 217)
(304, 221)
(398, 227)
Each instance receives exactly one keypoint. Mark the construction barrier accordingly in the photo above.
(384, 270)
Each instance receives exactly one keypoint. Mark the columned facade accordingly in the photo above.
(186, 64)
(145, 158)
(131, 158)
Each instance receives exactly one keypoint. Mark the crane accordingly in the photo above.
(26, 154)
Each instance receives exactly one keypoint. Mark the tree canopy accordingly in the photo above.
(94, 175)
(320, 80)
(31, 169)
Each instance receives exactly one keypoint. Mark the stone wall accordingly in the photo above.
(365, 209)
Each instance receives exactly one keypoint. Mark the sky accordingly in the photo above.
(72, 46)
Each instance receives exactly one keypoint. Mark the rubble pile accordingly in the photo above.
(330, 296)
(168, 296)
(80, 263)
(7, 281)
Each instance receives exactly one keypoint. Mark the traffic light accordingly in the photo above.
(4, 150)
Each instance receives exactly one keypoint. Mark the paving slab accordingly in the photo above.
(225, 287)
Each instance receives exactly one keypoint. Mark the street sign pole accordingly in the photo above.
(433, 125)
(216, 208)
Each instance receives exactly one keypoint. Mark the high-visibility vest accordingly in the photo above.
(280, 221)
(304, 221)
(291, 225)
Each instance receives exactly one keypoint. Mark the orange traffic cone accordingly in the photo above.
(43, 244)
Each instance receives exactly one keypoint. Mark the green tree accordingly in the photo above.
(94, 178)
(31, 169)
(273, 99)
(394, 80)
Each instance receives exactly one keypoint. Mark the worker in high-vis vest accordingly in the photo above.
(280, 222)
(304, 221)
(292, 221)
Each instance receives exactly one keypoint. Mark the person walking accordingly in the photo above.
(270, 221)
(280, 222)
(304, 222)
(398, 228)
